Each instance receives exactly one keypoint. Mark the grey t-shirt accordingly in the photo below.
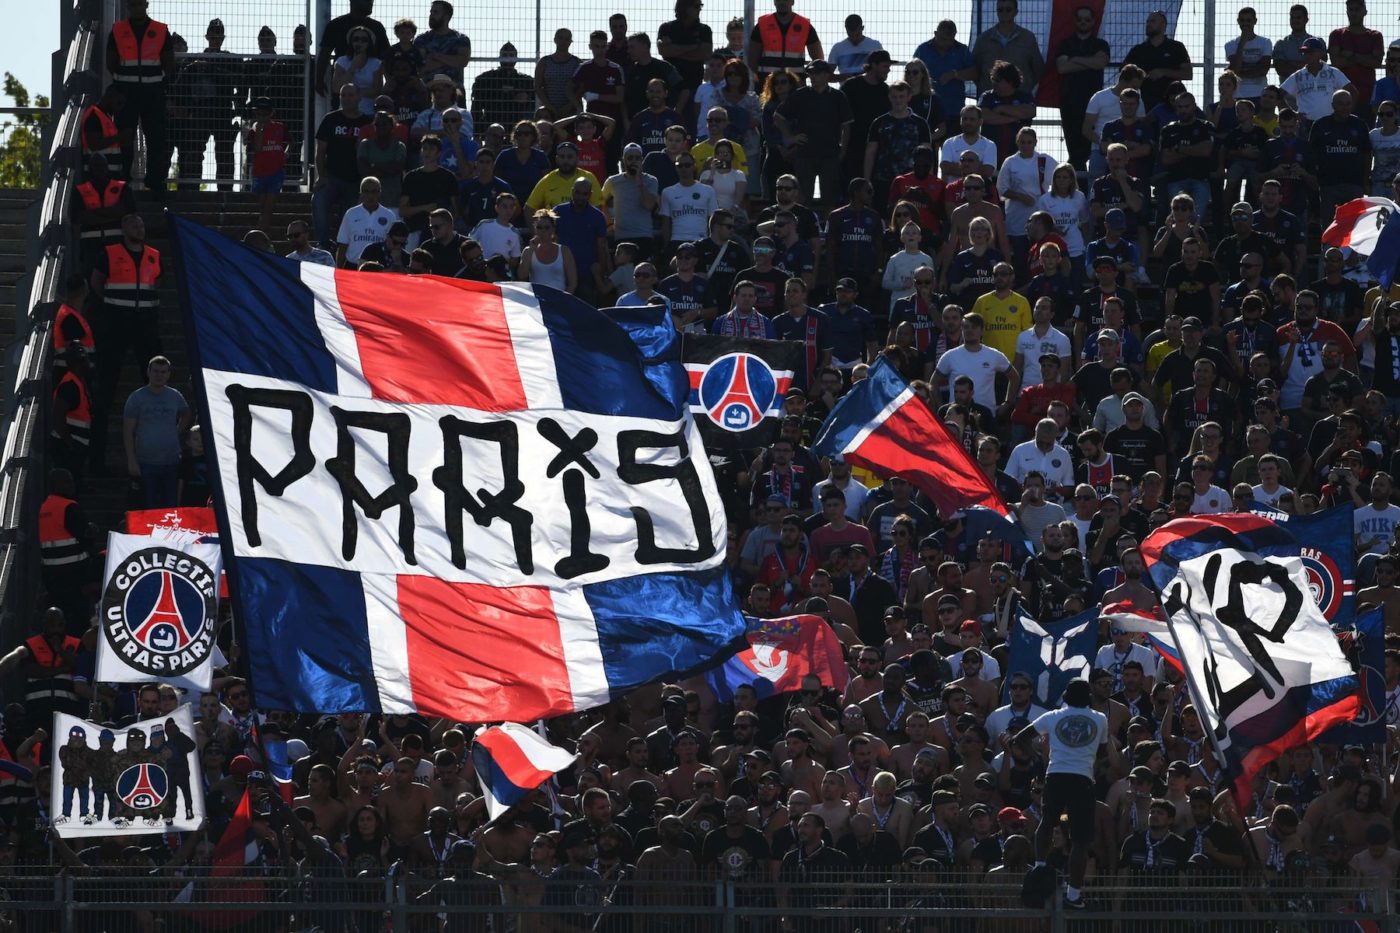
(631, 221)
(157, 416)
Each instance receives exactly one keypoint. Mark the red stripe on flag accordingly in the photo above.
(517, 768)
(462, 325)
(483, 653)
(1303, 731)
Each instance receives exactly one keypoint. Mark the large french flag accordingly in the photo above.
(511, 761)
(882, 425)
(477, 501)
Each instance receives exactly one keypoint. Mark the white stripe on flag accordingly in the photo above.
(534, 358)
(583, 658)
(538, 749)
(336, 330)
(873, 424)
(388, 642)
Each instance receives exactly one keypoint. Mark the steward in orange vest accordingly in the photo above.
(141, 58)
(781, 40)
(100, 134)
(99, 204)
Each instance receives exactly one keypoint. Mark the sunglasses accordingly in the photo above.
(787, 187)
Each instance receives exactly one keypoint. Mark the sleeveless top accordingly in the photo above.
(549, 273)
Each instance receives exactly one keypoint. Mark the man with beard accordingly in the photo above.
(929, 764)
(735, 851)
(1132, 590)
(1045, 583)
(1209, 839)
(768, 813)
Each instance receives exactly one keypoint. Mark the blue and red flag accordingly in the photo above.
(882, 425)
(779, 654)
(1265, 668)
(511, 761)
(439, 496)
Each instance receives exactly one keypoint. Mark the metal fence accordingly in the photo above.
(263, 903)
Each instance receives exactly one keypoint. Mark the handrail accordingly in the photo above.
(21, 453)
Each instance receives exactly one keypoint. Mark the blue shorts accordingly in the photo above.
(269, 184)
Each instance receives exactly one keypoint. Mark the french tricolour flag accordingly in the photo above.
(882, 425)
(479, 501)
(511, 761)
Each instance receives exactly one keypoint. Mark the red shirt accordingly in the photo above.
(1034, 402)
(1033, 266)
(399, 132)
(272, 155)
(953, 194)
(592, 155)
(599, 79)
(1366, 41)
(932, 186)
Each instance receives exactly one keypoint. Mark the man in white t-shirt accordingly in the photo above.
(981, 364)
(1073, 735)
(687, 205)
(1250, 56)
(1270, 490)
(1374, 525)
(365, 223)
(497, 236)
(1104, 107)
(1039, 340)
(1119, 651)
(970, 139)
(1024, 177)
(1042, 455)
(1022, 707)
(1313, 85)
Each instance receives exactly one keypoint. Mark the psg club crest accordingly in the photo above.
(1325, 581)
(159, 611)
(142, 786)
(737, 386)
(738, 391)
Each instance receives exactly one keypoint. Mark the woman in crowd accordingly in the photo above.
(546, 261)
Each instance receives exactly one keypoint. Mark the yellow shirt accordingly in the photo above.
(705, 151)
(1003, 320)
(555, 189)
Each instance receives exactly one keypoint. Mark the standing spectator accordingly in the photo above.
(445, 50)
(360, 67)
(686, 44)
(1007, 42)
(1007, 108)
(210, 85)
(642, 67)
(851, 53)
(279, 76)
(1080, 61)
(1187, 145)
(891, 144)
(424, 190)
(598, 85)
(477, 195)
(430, 119)
(443, 243)
(383, 156)
(685, 206)
(266, 139)
(1341, 145)
(335, 40)
(969, 140)
(363, 224)
(502, 94)
(141, 58)
(950, 66)
(337, 169)
(631, 196)
(554, 73)
(1111, 117)
(153, 420)
(781, 41)
(1385, 148)
(524, 164)
(817, 118)
(1312, 86)
(459, 146)
(1161, 58)
(869, 98)
(545, 261)
(583, 230)
(1358, 52)
(1250, 56)
(1288, 51)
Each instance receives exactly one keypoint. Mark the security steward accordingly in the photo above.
(70, 325)
(70, 433)
(125, 278)
(780, 39)
(47, 661)
(142, 59)
(99, 128)
(99, 204)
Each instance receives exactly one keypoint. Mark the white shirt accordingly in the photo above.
(1369, 522)
(497, 239)
(1213, 501)
(855, 494)
(705, 96)
(981, 366)
(1029, 176)
(1001, 717)
(1069, 213)
(359, 228)
(1030, 346)
(1075, 734)
(991, 670)
(315, 255)
(1271, 498)
(849, 58)
(1313, 92)
(1054, 464)
(1105, 108)
(1254, 51)
(1109, 414)
(1112, 660)
(689, 208)
(953, 148)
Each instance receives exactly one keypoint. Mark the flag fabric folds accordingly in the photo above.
(1052, 653)
(1363, 644)
(1385, 253)
(1358, 223)
(779, 654)
(512, 760)
(737, 387)
(882, 425)
(447, 497)
(1265, 667)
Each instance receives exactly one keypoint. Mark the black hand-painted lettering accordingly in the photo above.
(1235, 615)
(572, 450)
(396, 427)
(634, 474)
(244, 400)
(580, 559)
(491, 506)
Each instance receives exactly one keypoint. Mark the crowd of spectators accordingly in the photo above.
(1148, 330)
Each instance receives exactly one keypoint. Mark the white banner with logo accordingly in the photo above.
(119, 782)
(159, 611)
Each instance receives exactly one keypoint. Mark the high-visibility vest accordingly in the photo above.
(57, 546)
(783, 51)
(130, 285)
(79, 419)
(138, 57)
(94, 200)
(111, 148)
(60, 343)
(54, 686)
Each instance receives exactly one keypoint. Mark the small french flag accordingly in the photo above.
(511, 761)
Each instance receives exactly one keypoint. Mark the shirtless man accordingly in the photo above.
(861, 771)
(916, 724)
(975, 204)
(1132, 590)
(868, 680)
(893, 814)
(665, 866)
(727, 757)
(853, 723)
(834, 804)
(944, 730)
(404, 805)
(677, 782)
(1101, 699)
(800, 771)
(843, 614)
(822, 606)
(769, 814)
(330, 813)
(981, 694)
(613, 733)
(950, 578)
(1364, 810)
(447, 783)
(638, 757)
(431, 848)
(886, 711)
(1385, 593)
(1274, 840)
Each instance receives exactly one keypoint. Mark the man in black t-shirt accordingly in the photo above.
(1080, 61)
(719, 258)
(1156, 852)
(337, 170)
(1135, 447)
(821, 870)
(428, 188)
(1186, 148)
(1162, 58)
(1341, 144)
(685, 44)
(735, 851)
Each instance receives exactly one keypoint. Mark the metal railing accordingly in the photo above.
(27, 385)
(257, 902)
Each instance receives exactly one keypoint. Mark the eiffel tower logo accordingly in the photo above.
(737, 410)
(163, 629)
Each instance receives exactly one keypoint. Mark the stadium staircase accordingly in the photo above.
(14, 202)
(231, 213)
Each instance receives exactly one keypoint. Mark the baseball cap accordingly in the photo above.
(566, 144)
(1010, 815)
(1141, 773)
(1243, 207)
(948, 599)
(262, 103)
(848, 284)
(819, 64)
(1044, 357)
(1191, 323)
(971, 625)
(632, 149)
(1105, 260)
(876, 57)
(1140, 722)
(894, 612)
(1116, 219)
(981, 808)
(759, 754)
(687, 249)
(858, 549)
(1134, 397)
(440, 79)
(1108, 334)
(1313, 44)
(577, 833)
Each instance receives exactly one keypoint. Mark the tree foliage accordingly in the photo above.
(21, 137)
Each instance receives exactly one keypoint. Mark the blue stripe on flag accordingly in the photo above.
(654, 624)
(493, 778)
(266, 327)
(310, 650)
(1386, 252)
(586, 342)
(858, 408)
